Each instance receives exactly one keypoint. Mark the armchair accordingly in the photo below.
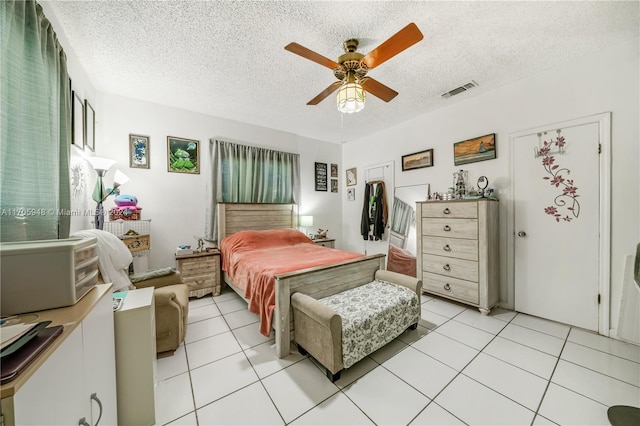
(171, 295)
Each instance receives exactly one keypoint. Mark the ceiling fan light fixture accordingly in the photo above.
(351, 96)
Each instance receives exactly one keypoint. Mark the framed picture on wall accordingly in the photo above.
(476, 149)
(334, 185)
(90, 126)
(352, 176)
(321, 176)
(351, 194)
(77, 118)
(183, 155)
(417, 160)
(334, 170)
(138, 151)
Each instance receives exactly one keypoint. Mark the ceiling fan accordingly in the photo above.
(352, 67)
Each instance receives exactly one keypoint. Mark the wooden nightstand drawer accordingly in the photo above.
(452, 228)
(201, 272)
(326, 242)
(453, 288)
(457, 268)
(452, 247)
(451, 209)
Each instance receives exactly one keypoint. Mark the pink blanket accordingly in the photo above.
(252, 259)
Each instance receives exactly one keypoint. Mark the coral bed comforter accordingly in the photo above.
(252, 259)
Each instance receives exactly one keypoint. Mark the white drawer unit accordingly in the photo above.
(458, 250)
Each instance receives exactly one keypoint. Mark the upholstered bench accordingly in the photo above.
(341, 329)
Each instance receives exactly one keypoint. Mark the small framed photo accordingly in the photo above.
(334, 170)
(417, 160)
(183, 155)
(138, 151)
(334, 185)
(477, 149)
(77, 126)
(352, 176)
(90, 126)
(321, 176)
(351, 194)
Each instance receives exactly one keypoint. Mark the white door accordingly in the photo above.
(557, 223)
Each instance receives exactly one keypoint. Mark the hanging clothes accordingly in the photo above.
(374, 210)
(380, 211)
(364, 221)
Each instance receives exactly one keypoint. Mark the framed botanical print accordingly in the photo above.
(138, 151)
(90, 126)
(183, 155)
(77, 125)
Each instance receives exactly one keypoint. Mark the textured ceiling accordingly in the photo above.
(227, 58)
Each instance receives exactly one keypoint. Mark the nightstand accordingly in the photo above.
(200, 272)
(326, 242)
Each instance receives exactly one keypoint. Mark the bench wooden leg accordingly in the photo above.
(302, 350)
(333, 377)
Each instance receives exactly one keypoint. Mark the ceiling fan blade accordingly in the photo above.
(378, 89)
(403, 39)
(311, 55)
(326, 92)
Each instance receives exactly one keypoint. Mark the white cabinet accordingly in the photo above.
(135, 332)
(458, 250)
(58, 387)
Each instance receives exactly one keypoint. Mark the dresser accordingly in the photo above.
(73, 380)
(458, 250)
(200, 272)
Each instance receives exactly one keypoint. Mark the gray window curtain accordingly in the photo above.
(402, 217)
(248, 174)
(35, 126)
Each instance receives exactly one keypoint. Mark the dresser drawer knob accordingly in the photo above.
(446, 248)
(447, 228)
(446, 267)
(447, 287)
(446, 211)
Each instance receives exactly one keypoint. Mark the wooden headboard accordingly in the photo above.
(234, 217)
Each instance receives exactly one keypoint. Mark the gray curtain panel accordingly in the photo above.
(35, 126)
(248, 174)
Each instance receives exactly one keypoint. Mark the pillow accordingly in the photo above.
(151, 274)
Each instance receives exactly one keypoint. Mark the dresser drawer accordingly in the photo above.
(451, 267)
(197, 266)
(452, 228)
(453, 288)
(452, 247)
(467, 210)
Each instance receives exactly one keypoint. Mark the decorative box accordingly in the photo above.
(125, 213)
(136, 242)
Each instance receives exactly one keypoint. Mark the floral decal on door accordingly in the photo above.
(565, 206)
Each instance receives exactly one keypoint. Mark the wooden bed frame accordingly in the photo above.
(319, 281)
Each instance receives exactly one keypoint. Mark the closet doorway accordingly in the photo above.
(383, 172)
(559, 226)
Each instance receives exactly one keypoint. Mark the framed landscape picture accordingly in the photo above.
(417, 160)
(477, 149)
(138, 151)
(77, 116)
(183, 155)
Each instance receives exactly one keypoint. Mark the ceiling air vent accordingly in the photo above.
(460, 89)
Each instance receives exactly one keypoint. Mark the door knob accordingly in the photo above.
(522, 234)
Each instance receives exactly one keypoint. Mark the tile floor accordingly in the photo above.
(458, 367)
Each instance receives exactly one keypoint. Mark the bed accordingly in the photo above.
(317, 281)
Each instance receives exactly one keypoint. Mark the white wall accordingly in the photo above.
(176, 202)
(606, 81)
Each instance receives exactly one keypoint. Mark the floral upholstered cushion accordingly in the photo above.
(372, 315)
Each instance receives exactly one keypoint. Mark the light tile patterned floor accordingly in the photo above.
(458, 367)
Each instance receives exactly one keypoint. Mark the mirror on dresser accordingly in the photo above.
(402, 236)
